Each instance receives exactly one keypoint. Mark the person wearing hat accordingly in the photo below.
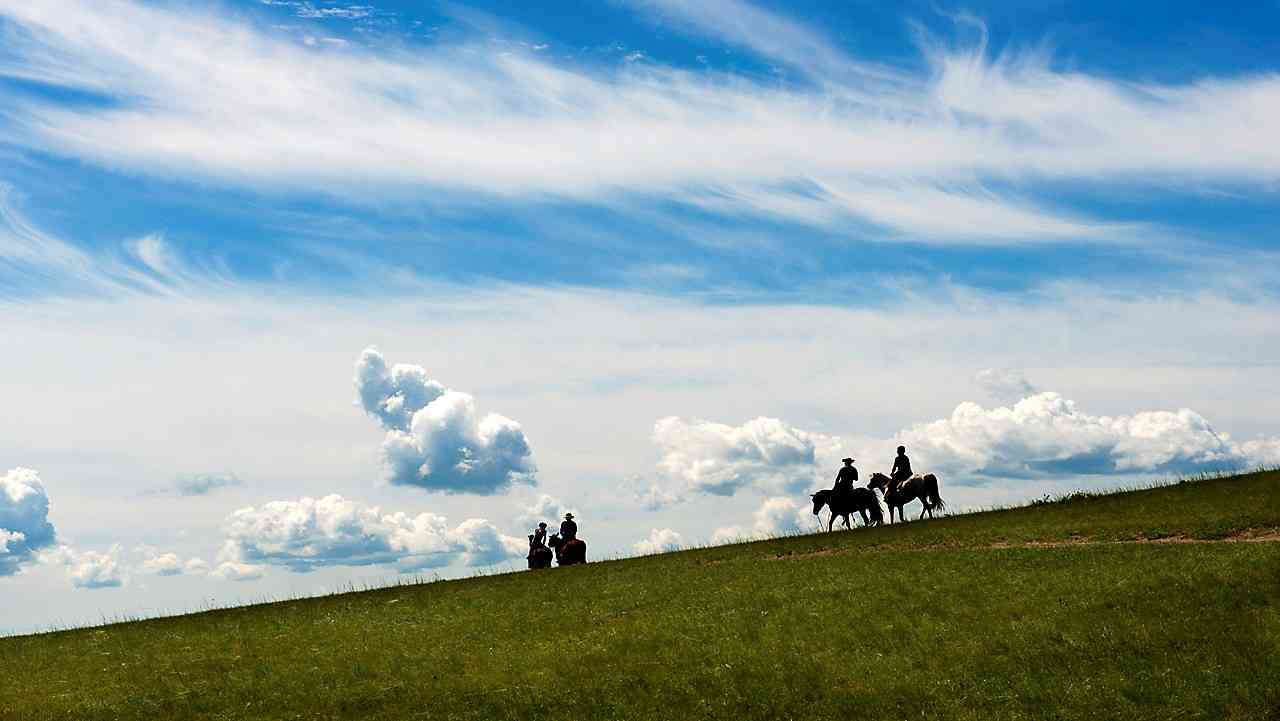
(845, 478)
(901, 467)
(568, 529)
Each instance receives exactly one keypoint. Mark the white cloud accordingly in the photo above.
(24, 519)
(157, 563)
(660, 540)
(776, 516)
(312, 533)
(763, 454)
(435, 438)
(92, 569)
(910, 152)
(1048, 435)
(1004, 384)
(237, 571)
(546, 508)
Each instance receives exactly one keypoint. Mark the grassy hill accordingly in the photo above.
(1152, 604)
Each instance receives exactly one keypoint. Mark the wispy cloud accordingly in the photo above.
(194, 94)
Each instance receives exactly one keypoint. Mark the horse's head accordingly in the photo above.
(880, 481)
(819, 500)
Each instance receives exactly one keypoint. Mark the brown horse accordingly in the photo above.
(570, 552)
(862, 500)
(539, 555)
(897, 495)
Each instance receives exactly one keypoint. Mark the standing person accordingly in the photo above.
(845, 478)
(901, 467)
(568, 529)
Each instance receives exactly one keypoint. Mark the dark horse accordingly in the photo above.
(862, 500)
(897, 495)
(539, 555)
(570, 552)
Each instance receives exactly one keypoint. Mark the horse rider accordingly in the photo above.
(845, 478)
(901, 467)
(568, 529)
(539, 535)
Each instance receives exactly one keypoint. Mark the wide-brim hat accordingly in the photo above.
(846, 460)
(568, 516)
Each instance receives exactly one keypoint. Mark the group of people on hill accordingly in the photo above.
(848, 475)
(567, 548)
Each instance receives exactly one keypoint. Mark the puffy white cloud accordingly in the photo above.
(546, 508)
(24, 519)
(92, 569)
(776, 516)
(169, 564)
(435, 437)
(312, 533)
(660, 540)
(1047, 435)
(1004, 384)
(200, 484)
(237, 571)
(764, 454)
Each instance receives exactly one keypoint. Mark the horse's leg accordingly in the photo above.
(831, 521)
(865, 521)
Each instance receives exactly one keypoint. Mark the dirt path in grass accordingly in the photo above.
(1249, 535)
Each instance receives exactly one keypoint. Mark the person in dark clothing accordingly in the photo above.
(901, 466)
(845, 478)
(568, 529)
(540, 535)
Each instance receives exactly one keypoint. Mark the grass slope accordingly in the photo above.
(1030, 613)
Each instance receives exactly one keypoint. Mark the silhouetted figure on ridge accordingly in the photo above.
(901, 467)
(539, 553)
(845, 478)
(540, 535)
(568, 529)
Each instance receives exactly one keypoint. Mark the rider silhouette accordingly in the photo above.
(568, 529)
(901, 467)
(845, 478)
(540, 535)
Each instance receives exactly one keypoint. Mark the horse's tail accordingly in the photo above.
(876, 514)
(880, 510)
(931, 488)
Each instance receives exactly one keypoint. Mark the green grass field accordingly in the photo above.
(1140, 605)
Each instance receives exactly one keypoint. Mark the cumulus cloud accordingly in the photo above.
(1048, 435)
(312, 533)
(435, 437)
(157, 563)
(777, 516)
(92, 569)
(546, 508)
(660, 540)
(200, 484)
(1004, 384)
(237, 571)
(763, 454)
(24, 519)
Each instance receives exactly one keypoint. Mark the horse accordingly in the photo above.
(862, 500)
(539, 555)
(897, 495)
(570, 552)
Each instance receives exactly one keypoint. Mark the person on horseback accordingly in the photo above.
(901, 467)
(568, 529)
(540, 535)
(845, 478)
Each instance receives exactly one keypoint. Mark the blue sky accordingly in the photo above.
(656, 257)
